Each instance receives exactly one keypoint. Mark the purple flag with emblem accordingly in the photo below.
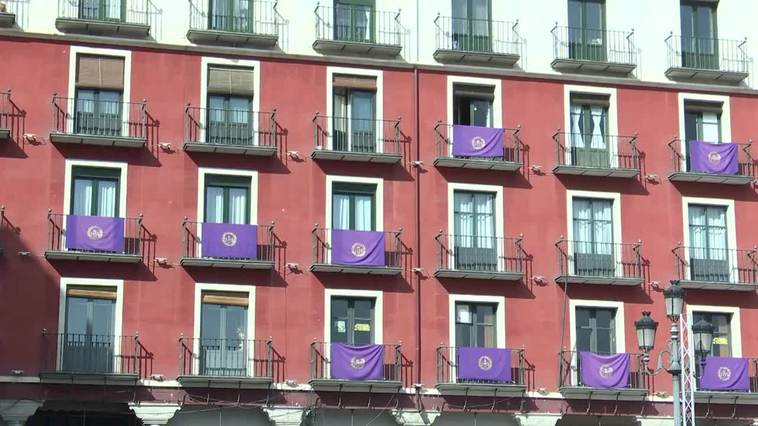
(229, 240)
(357, 362)
(725, 374)
(604, 371)
(476, 141)
(715, 158)
(484, 364)
(357, 248)
(95, 233)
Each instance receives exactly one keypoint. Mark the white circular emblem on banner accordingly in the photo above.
(95, 233)
(357, 363)
(229, 239)
(605, 371)
(358, 249)
(724, 373)
(485, 363)
(477, 142)
(714, 157)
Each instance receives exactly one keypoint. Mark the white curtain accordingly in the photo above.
(238, 205)
(717, 233)
(464, 220)
(698, 232)
(598, 124)
(582, 226)
(106, 198)
(577, 139)
(83, 191)
(341, 212)
(363, 212)
(214, 211)
(483, 204)
(711, 127)
(240, 111)
(603, 227)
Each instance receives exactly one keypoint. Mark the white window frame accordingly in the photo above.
(497, 100)
(207, 61)
(610, 92)
(735, 327)
(615, 197)
(618, 322)
(65, 283)
(499, 214)
(378, 99)
(498, 301)
(725, 121)
(731, 229)
(74, 52)
(202, 172)
(231, 288)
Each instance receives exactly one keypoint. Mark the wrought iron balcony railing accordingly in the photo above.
(595, 45)
(69, 238)
(3, 230)
(599, 261)
(461, 255)
(94, 354)
(356, 138)
(703, 53)
(324, 257)
(226, 358)
(260, 17)
(321, 362)
(681, 165)
(447, 362)
(10, 115)
(478, 35)
(596, 155)
(135, 12)
(716, 268)
(208, 129)
(359, 24)
(511, 159)
(192, 246)
(570, 371)
(99, 119)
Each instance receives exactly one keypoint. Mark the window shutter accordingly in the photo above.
(225, 298)
(92, 292)
(230, 81)
(590, 99)
(100, 72)
(702, 106)
(474, 91)
(354, 82)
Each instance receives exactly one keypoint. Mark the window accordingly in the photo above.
(354, 122)
(230, 115)
(474, 228)
(702, 121)
(722, 336)
(472, 105)
(354, 206)
(587, 29)
(227, 199)
(89, 342)
(595, 330)
(471, 25)
(589, 131)
(699, 35)
(352, 320)
(98, 107)
(475, 325)
(95, 191)
(709, 256)
(593, 237)
(223, 333)
(102, 10)
(353, 20)
(231, 15)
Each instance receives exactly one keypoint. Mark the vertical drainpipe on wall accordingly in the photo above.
(417, 206)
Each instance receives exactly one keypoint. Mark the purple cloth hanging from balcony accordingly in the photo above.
(476, 141)
(713, 158)
(604, 371)
(357, 248)
(491, 364)
(357, 362)
(226, 240)
(725, 374)
(95, 233)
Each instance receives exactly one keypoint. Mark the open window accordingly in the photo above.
(354, 124)
(586, 30)
(473, 105)
(699, 34)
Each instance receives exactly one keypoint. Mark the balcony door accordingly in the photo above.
(102, 10)
(354, 120)
(472, 25)
(95, 191)
(586, 32)
(596, 330)
(472, 105)
(353, 207)
(98, 112)
(223, 334)
(593, 237)
(88, 345)
(475, 325)
(699, 35)
(709, 255)
(353, 20)
(702, 122)
(231, 15)
(227, 199)
(475, 239)
(352, 321)
(589, 132)
(230, 120)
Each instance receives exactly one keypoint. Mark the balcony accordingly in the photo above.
(93, 359)
(220, 245)
(727, 381)
(9, 11)
(716, 269)
(481, 371)
(356, 139)
(477, 42)
(94, 238)
(100, 123)
(368, 368)
(707, 60)
(479, 257)
(256, 27)
(356, 252)
(618, 264)
(583, 375)
(478, 148)
(229, 131)
(596, 155)
(734, 168)
(226, 363)
(358, 30)
(115, 18)
(10, 116)
(593, 51)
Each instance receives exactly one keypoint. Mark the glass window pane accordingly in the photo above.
(594, 21)
(210, 321)
(106, 198)
(604, 341)
(76, 315)
(238, 205)
(582, 317)
(236, 322)
(83, 196)
(604, 318)
(103, 314)
(575, 14)
(583, 339)
(214, 204)
(463, 335)
(363, 308)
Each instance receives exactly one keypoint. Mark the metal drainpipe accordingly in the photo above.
(417, 207)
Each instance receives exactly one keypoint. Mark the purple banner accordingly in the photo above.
(484, 364)
(725, 374)
(357, 248)
(604, 371)
(715, 158)
(357, 362)
(475, 141)
(229, 240)
(95, 233)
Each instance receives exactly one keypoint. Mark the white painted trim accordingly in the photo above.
(205, 61)
(725, 121)
(471, 298)
(499, 226)
(731, 226)
(379, 99)
(497, 100)
(122, 182)
(735, 327)
(569, 89)
(615, 197)
(236, 288)
(65, 282)
(126, 96)
(618, 320)
(378, 297)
